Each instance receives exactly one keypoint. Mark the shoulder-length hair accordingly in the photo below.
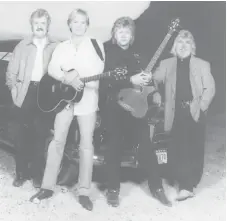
(78, 11)
(40, 13)
(123, 22)
(185, 34)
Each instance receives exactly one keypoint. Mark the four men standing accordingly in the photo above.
(189, 89)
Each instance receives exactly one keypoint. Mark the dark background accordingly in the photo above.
(206, 21)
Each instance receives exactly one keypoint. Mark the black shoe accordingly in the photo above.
(20, 180)
(113, 198)
(86, 202)
(36, 183)
(160, 195)
(42, 194)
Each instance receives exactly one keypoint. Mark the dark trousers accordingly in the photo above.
(31, 130)
(120, 124)
(186, 152)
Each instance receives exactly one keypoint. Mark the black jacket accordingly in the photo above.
(117, 57)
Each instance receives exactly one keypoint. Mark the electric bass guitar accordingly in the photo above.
(135, 99)
(53, 95)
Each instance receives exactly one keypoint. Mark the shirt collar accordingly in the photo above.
(40, 43)
(85, 38)
(48, 40)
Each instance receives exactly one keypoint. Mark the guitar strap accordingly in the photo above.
(97, 48)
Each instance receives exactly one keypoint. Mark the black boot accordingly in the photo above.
(85, 202)
(36, 182)
(20, 179)
(41, 195)
(113, 198)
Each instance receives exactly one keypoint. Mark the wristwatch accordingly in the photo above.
(70, 70)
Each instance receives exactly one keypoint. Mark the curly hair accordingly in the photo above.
(123, 22)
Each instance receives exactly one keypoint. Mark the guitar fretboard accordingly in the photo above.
(158, 52)
(96, 77)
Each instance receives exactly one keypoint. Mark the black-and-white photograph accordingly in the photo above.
(113, 110)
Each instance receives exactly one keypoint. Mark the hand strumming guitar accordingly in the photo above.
(157, 99)
(141, 79)
(72, 78)
(77, 84)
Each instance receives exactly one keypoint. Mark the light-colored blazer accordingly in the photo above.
(202, 84)
(19, 71)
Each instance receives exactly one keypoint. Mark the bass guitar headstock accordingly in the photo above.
(175, 24)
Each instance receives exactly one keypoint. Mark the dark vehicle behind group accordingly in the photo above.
(6, 135)
(69, 169)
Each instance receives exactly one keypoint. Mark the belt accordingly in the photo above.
(34, 83)
(185, 104)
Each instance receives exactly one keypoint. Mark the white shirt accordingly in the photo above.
(37, 71)
(86, 62)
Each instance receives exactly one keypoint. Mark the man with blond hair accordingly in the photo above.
(71, 60)
(189, 90)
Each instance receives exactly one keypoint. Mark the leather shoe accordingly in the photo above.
(113, 198)
(85, 202)
(36, 183)
(184, 194)
(19, 180)
(42, 194)
(160, 195)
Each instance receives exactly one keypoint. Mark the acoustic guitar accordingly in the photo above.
(53, 95)
(134, 99)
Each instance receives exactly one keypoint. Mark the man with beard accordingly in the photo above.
(27, 66)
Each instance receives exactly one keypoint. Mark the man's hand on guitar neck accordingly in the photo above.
(141, 79)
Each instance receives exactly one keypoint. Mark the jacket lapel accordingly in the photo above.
(193, 66)
(173, 76)
(194, 77)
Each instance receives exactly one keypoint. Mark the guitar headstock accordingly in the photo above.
(119, 73)
(175, 23)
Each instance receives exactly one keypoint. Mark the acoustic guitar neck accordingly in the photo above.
(96, 77)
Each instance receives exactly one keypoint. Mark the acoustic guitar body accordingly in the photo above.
(52, 94)
(135, 100)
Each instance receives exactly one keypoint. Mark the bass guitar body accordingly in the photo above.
(53, 94)
(135, 100)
